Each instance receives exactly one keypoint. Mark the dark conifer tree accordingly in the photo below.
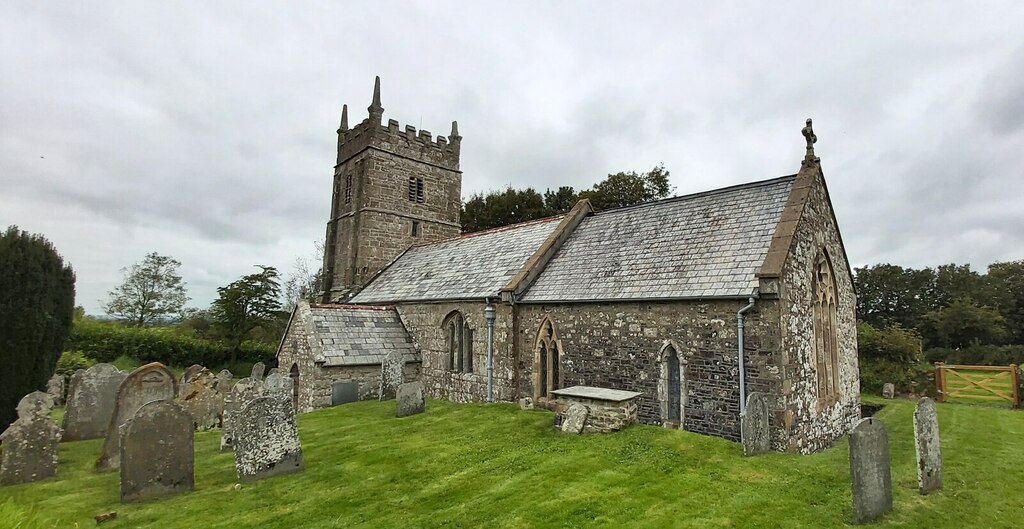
(37, 301)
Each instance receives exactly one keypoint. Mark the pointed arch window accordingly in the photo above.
(826, 343)
(459, 342)
(672, 387)
(547, 357)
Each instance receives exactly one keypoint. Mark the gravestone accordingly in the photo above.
(926, 444)
(526, 403)
(277, 385)
(756, 435)
(258, 369)
(146, 384)
(92, 394)
(575, 418)
(869, 470)
(200, 398)
(266, 439)
(409, 399)
(156, 452)
(342, 392)
(190, 372)
(888, 390)
(55, 387)
(391, 374)
(242, 392)
(224, 381)
(30, 443)
(272, 371)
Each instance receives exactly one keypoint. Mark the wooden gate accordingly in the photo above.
(978, 383)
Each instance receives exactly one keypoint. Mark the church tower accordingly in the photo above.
(392, 189)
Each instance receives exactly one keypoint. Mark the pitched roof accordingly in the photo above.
(703, 245)
(360, 335)
(473, 266)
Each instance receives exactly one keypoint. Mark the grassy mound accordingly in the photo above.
(471, 465)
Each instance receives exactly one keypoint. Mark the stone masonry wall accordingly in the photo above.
(814, 423)
(375, 225)
(424, 323)
(618, 346)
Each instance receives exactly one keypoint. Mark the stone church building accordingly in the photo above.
(688, 300)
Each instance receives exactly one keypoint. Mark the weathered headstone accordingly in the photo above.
(224, 381)
(190, 372)
(278, 385)
(156, 452)
(55, 387)
(869, 470)
(30, 443)
(575, 418)
(756, 435)
(149, 383)
(409, 399)
(272, 371)
(200, 398)
(266, 439)
(258, 369)
(926, 444)
(391, 374)
(343, 392)
(526, 403)
(242, 392)
(888, 390)
(92, 394)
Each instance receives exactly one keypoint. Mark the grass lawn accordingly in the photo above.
(473, 465)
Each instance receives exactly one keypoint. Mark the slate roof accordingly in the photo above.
(473, 266)
(703, 245)
(360, 335)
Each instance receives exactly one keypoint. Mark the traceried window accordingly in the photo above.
(459, 339)
(546, 376)
(826, 343)
(415, 189)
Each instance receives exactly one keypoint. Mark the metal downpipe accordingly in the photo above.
(489, 316)
(742, 360)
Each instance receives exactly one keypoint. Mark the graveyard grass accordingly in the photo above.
(473, 465)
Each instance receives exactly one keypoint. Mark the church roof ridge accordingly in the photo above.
(700, 194)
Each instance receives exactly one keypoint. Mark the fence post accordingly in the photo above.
(1016, 385)
(940, 382)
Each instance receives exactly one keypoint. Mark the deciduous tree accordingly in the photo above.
(152, 291)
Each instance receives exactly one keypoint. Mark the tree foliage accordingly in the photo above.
(246, 304)
(37, 300)
(152, 291)
(305, 279)
(511, 206)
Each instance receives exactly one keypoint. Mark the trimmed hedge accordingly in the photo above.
(979, 355)
(105, 341)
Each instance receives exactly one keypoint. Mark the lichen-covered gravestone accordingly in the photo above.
(756, 435)
(30, 443)
(575, 418)
(869, 470)
(92, 395)
(258, 369)
(224, 381)
(242, 392)
(392, 374)
(156, 452)
(190, 372)
(201, 399)
(409, 399)
(926, 444)
(266, 439)
(888, 390)
(151, 382)
(55, 387)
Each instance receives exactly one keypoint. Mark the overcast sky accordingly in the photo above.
(206, 131)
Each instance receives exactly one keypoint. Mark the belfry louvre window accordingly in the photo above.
(348, 188)
(826, 343)
(415, 189)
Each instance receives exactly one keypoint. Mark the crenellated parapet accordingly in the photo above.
(408, 142)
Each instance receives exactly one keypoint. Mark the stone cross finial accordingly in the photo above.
(808, 133)
(375, 108)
